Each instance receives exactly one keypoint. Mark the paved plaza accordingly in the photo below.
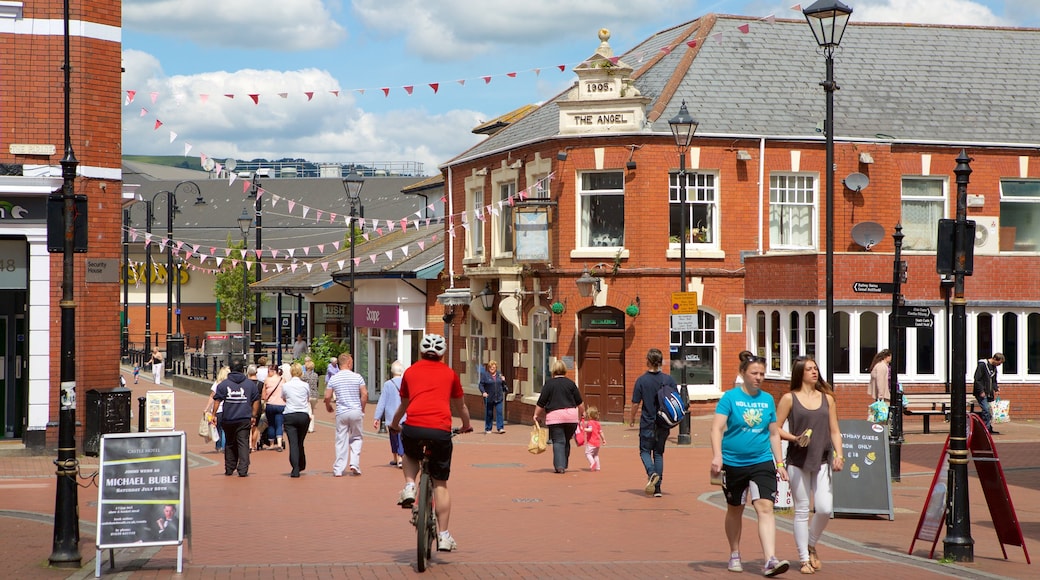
(512, 516)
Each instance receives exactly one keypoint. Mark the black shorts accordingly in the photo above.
(437, 441)
(758, 481)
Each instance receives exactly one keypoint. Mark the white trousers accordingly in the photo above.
(348, 441)
(157, 373)
(818, 485)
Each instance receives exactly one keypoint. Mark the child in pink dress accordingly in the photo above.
(593, 437)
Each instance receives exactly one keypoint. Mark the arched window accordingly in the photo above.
(696, 351)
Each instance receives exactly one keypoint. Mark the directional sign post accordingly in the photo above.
(684, 311)
(874, 287)
(915, 317)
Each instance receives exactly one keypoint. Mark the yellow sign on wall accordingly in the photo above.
(684, 303)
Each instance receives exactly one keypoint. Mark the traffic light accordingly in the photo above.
(902, 271)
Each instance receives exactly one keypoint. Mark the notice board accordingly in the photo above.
(142, 487)
(864, 486)
(160, 411)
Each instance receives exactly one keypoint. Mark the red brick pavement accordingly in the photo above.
(513, 517)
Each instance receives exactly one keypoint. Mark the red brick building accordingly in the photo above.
(587, 185)
(32, 132)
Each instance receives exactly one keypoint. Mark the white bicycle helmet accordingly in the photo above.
(434, 343)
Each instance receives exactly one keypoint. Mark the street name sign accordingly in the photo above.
(874, 287)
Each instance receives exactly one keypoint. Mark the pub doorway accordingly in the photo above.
(601, 361)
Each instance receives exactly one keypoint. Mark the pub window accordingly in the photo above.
(504, 221)
(602, 209)
(1010, 343)
(695, 351)
(792, 211)
(1020, 215)
(701, 210)
(1033, 343)
(868, 340)
(924, 204)
(475, 218)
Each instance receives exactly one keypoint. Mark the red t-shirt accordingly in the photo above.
(429, 386)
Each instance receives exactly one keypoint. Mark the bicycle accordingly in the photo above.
(424, 517)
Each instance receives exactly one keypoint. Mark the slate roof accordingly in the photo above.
(961, 85)
(418, 263)
(211, 224)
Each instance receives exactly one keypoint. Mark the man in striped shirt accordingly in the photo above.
(351, 397)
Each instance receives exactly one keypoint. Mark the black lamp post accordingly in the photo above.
(827, 19)
(124, 331)
(65, 548)
(254, 193)
(352, 184)
(683, 127)
(149, 217)
(958, 544)
(244, 222)
(895, 395)
(171, 210)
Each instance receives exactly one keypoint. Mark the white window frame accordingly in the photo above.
(475, 231)
(775, 240)
(690, 338)
(476, 344)
(502, 224)
(697, 190)
(922, 237)
(541, 347)
(1010, 216)
(582, 198)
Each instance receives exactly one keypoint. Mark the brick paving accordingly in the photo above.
(512, 516)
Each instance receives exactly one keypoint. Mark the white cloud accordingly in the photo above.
(448, 29)
(326, 128)
(926, 12)
(283, 25)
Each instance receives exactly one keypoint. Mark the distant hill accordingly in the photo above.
(194, 163)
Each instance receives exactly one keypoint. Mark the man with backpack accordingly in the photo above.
(653, 430)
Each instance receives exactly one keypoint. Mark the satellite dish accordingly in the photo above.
(208, 164)
(857, 182)
(230, 164)
(867, 234)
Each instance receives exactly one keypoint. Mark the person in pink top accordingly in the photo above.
(593, 437)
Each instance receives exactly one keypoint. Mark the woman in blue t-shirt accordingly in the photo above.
(745, 444)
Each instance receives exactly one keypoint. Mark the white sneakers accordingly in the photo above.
(446, 543)
(407, 497)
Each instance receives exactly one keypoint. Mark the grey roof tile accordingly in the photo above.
(913, 82)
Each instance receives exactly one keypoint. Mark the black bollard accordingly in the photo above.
(140, 414)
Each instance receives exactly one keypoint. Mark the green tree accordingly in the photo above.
(234, 304)
(322, 349)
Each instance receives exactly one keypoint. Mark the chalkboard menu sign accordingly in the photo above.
(864, 485)
(141, 490)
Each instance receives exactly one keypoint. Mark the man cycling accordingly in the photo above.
(430, 392)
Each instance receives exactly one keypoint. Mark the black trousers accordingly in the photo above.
(295, 425)
(236, 447)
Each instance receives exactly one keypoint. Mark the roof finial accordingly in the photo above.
(604, 47)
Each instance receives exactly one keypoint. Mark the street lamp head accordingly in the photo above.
(683, 127)
(827, 19)
(352, 184)
(587, 284)
(245, 221)
(487, 297)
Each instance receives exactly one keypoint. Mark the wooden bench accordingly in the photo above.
(928, 404)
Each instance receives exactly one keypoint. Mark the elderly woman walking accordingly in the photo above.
(561, 405)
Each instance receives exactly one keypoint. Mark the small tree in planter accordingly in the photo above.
(322, 349)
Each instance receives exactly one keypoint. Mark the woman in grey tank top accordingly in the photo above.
(813, 450)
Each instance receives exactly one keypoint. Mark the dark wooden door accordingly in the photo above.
(601, 369)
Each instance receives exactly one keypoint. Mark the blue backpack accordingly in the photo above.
(670, 407)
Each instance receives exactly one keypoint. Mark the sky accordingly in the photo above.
(328, 80)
